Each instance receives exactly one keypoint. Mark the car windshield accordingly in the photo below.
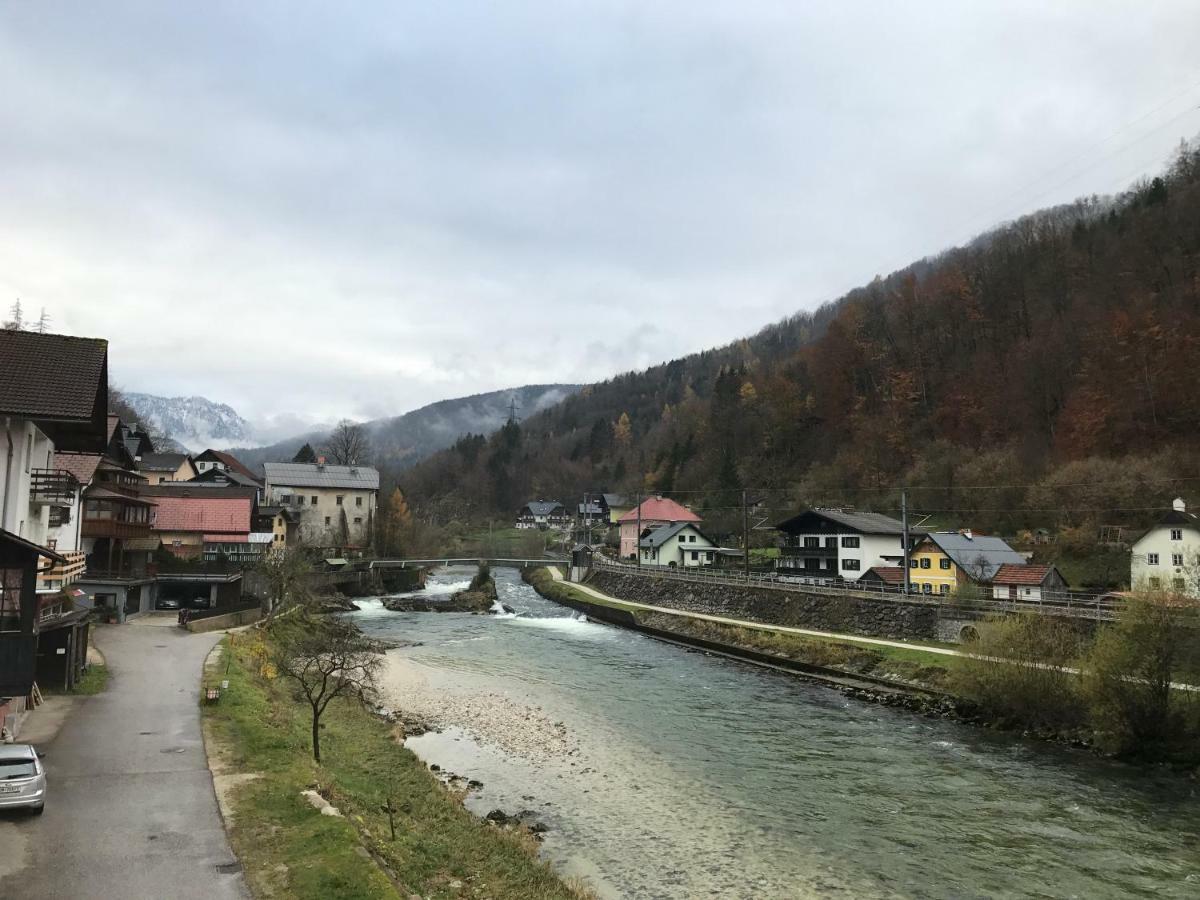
(16, 768)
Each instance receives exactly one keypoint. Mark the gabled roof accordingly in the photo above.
(1010, 573)
(362, 478)
(221, 476)
(542, 507)
(590, 509)
(661, 535)
(1170, 519)
(162, 462)
(611, 500)
(19, 543)
(861, 522)
(660, 509)
(230, 461)
(82, 465)
(886, 574)
(209, 515)
(58, 381)
(979, 556)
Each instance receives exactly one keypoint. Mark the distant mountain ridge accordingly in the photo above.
(402, 441)
(195, 422)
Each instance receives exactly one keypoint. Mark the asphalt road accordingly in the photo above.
(131, 811)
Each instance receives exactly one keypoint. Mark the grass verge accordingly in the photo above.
(288, 849)
(94, 680)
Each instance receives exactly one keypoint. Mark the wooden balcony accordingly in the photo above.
(49, 487)
(62, 574)
(112, 528)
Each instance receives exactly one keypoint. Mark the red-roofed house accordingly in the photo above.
(185, 524)
(883, 576)
(1030, 582)
(652, 514)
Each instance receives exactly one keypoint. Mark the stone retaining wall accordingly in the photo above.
(229, 620)
(895, 619)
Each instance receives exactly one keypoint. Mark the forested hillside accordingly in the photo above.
(998, 381)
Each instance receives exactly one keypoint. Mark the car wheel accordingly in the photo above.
(37, 810)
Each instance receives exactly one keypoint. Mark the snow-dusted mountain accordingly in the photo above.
(195, 422)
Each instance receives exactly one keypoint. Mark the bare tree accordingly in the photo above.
(16, 318)
(286, 571)
(349, 444)
(326, 657)
(43, 322)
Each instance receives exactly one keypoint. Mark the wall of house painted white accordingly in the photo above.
(872, 550)
(679, 553)
(23, 448)
(1162, 561)
(1032, 592)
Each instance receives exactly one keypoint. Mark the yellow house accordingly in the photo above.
(162, 467)
(946, 561)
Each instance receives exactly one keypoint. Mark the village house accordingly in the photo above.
(678, 545)
(834, 543)
(225, 462)
(944, 562)
(1027, 582)
(160, 467)
(334, 506)
(591, 512)
(543, 514)
(202, 523)
(653, 513)
(53, 398)
(1167, 556)
(883, 577)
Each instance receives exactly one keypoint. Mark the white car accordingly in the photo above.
(22, 779)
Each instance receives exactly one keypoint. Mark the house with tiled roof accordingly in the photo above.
(1026, 582)
(838, 543)
(160, 467)
(185, 524)
(678, 545)
(227, 462)
(1167, 556)
(883, 577)
(333, 506)
(943, 562)
(652, 513)
(542, 514)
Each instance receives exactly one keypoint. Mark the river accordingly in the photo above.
(665, 773)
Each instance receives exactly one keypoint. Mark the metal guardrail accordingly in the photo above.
(1055, 604)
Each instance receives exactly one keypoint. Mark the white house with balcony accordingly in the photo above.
(1167, 557)
(677, 545)
(836, 543)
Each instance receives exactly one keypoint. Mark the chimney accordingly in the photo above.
(1179, 505)
(320, 462)
(966, 532)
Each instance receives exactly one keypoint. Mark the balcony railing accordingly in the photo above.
(795, 548)
(112, 528)
(62, 574)
(51, 486)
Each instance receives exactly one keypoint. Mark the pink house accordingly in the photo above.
(655, 511)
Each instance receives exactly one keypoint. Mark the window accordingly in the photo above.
(299, 500)
(1152, 559)
(695, 555)
(944, 589)
(339, 499)
(1155, 583)
(314, 499)
(926, 563)
(812, 543)
(927, 589)
(1176, 558)
(691, 539)
(683, 539)
(912, 563)
(327, 520)
(10, 599)
(944, 563)
(1177, 534)
(28, 451)
(851, 543)
(358, 501)
(708, 556)
(1178, 584)
(850, 565)
(358, 520)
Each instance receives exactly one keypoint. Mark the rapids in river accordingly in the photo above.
(689, 776)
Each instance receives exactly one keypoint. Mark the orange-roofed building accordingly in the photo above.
(1030, 582)
(653, 513)
(185, 523)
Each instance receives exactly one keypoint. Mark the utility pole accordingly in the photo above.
(638, 543)
(745, 536)
(904, 525)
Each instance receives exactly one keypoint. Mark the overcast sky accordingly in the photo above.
(313, 212)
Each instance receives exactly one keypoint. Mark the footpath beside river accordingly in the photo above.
(667, 773)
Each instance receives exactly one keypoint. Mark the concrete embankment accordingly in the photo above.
(897, 619)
